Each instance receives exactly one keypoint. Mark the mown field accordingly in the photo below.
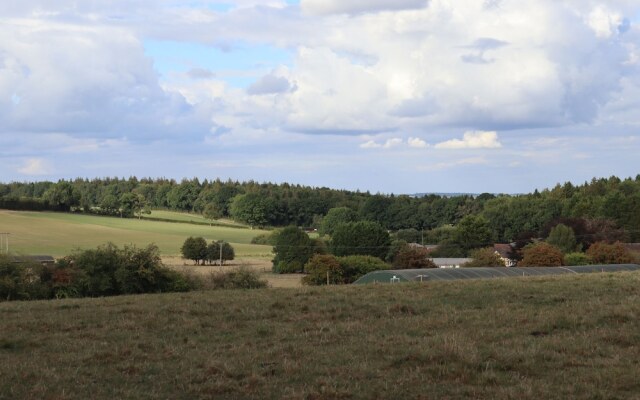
(568, 337)
(58, 234)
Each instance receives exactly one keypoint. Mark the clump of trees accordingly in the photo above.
(197, 250)
(104, 271)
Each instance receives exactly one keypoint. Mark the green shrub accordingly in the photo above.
(572, 259)
(21, 280)
(319, 267)
(292, 267)
(241, 278)
(108, 271)
(353, 267)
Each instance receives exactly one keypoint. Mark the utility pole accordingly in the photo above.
(4, 242)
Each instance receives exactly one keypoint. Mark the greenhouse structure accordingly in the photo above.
(436, 274)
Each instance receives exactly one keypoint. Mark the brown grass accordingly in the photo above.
(568, 337)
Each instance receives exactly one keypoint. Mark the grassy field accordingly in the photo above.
(58, 234)
(568, 337)
(193, 218)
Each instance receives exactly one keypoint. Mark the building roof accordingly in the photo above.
(503, 249)
(34, 258)
(442, 262)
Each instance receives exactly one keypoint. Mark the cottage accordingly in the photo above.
(504, 251)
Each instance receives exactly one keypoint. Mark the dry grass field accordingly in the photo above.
(568, 337)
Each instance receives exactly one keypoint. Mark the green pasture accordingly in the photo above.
(58, 234)
(187, 217)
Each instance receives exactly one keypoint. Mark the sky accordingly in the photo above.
(387, 96)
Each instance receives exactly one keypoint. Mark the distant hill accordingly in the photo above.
(444, 194)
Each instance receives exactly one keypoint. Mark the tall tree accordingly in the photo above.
(360, 238)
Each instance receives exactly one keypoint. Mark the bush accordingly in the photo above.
(108, 271)
(319, 266)
(354, 267)
(604, 253)
(21, 280)
(573, 259)
(542, 255)
(486, 257)
(242, 278)
(413, 258)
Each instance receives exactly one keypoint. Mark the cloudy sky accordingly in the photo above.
(398, 96)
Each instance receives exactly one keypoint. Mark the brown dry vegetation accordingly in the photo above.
(562, 337)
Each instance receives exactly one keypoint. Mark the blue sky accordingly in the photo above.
(399, 96)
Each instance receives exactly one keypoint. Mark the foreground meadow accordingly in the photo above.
(551, 338)
(58, 234)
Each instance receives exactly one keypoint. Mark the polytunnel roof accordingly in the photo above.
(447, 274)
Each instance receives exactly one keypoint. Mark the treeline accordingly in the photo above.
(612, 202)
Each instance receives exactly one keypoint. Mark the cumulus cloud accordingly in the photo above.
(61, 77)
(35, 167)
(388, 144)
(270, 84)
(472, 140)
(358, 6)
(417, 143)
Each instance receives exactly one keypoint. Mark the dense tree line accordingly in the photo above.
(606, 203)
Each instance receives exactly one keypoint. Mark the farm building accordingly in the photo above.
(423, 275)
(450, 262)
(39, 259)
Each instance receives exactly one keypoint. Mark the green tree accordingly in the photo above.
(292, 250)
(194, 248)
(110, 204)
(360, 238)
(214, 255)
(541, 255)
(485, 257)
(563, 238)
(335, 217)
(211, 212)
(473, 232)
(253, 209)
(62, 195)
(410, 235)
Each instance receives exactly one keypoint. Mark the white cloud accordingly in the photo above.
(417, 143)
(388, 144)
(35, 167)
(472, 140)
(270, 84)
(358, 6)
